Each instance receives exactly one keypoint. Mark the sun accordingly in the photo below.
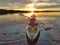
(31, 8)
(29, 5)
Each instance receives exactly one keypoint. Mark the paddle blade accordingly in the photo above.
(21, 14)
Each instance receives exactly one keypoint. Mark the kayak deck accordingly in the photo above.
(32, 34)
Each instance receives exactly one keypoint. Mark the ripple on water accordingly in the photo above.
(16, 36)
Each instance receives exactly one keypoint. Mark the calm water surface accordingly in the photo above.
(12, 29)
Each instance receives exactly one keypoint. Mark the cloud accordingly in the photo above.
(16, 4)
(50, 0)
(11, 5)
(48, 5)
(12, 1)
(26, 1)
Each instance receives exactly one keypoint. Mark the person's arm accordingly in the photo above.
(37, 21)
(27, 20)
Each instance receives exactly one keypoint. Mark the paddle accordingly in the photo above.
(21, 14)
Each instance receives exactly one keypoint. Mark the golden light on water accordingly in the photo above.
(29, 14)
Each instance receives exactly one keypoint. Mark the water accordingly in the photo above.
(12, 29)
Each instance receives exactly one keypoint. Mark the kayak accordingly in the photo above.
(32, 32)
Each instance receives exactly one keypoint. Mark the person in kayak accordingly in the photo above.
(32, 21)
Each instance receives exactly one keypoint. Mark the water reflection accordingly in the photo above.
(13, 26)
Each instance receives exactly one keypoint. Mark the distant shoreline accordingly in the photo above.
(5, 11)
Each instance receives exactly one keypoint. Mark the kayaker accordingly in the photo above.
(32, 21)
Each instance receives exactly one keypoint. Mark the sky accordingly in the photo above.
(25, 1)
(7, 4)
